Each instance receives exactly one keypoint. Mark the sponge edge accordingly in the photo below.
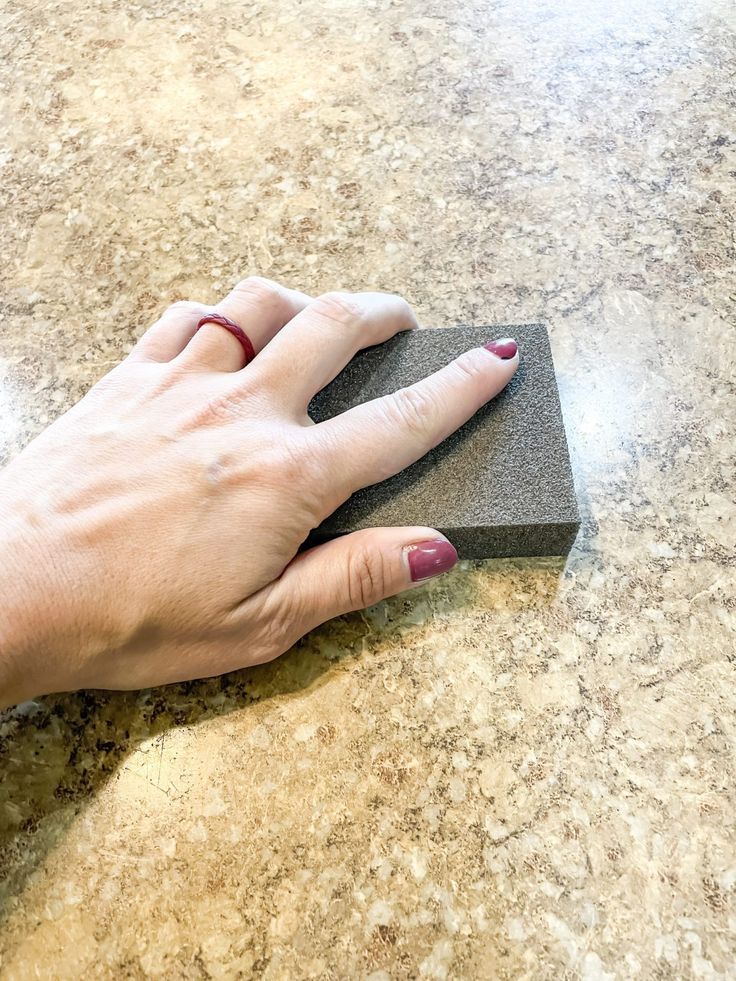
(501, 485)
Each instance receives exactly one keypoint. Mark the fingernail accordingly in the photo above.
(505, 348)
(427, 559)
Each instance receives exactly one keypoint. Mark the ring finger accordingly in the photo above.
(261, 307)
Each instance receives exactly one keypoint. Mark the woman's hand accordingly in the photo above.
(149, 535)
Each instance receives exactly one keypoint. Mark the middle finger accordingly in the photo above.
(316, 345)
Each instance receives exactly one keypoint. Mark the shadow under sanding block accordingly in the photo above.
(499, 486)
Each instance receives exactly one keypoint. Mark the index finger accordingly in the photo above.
(377, 439)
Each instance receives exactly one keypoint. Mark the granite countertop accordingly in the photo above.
(521, 770)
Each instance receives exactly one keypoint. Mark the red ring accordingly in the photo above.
(235, 330)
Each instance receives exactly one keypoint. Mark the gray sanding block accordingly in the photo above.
(499, 486)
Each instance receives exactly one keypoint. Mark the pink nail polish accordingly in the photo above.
(505, 348)
(427, 559)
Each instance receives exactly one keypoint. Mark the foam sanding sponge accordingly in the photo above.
(499, 486)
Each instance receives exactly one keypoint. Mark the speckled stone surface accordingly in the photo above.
(500, 486)
(519, 770)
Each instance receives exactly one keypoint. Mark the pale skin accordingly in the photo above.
(151, 534)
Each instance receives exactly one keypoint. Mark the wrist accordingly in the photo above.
(18, 624)
(15, 684)
(54, 621)
(30, 604)
(16, 640)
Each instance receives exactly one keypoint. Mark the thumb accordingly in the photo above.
(358, 570)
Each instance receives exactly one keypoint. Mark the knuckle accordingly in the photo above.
(220, 410)
(184, 308)
(223, 406)
(367, 577)
(413, 409)
(278, 468)
(270, 627)
(291, 464)
(226, 406)
(403, 307)
(342, 308)
(282, 624)
(258, 289)
(469, 367)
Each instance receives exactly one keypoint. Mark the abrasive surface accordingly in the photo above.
(499, 486)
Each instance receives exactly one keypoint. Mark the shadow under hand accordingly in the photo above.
(57, 752)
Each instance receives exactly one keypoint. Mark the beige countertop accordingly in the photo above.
(520, 770)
